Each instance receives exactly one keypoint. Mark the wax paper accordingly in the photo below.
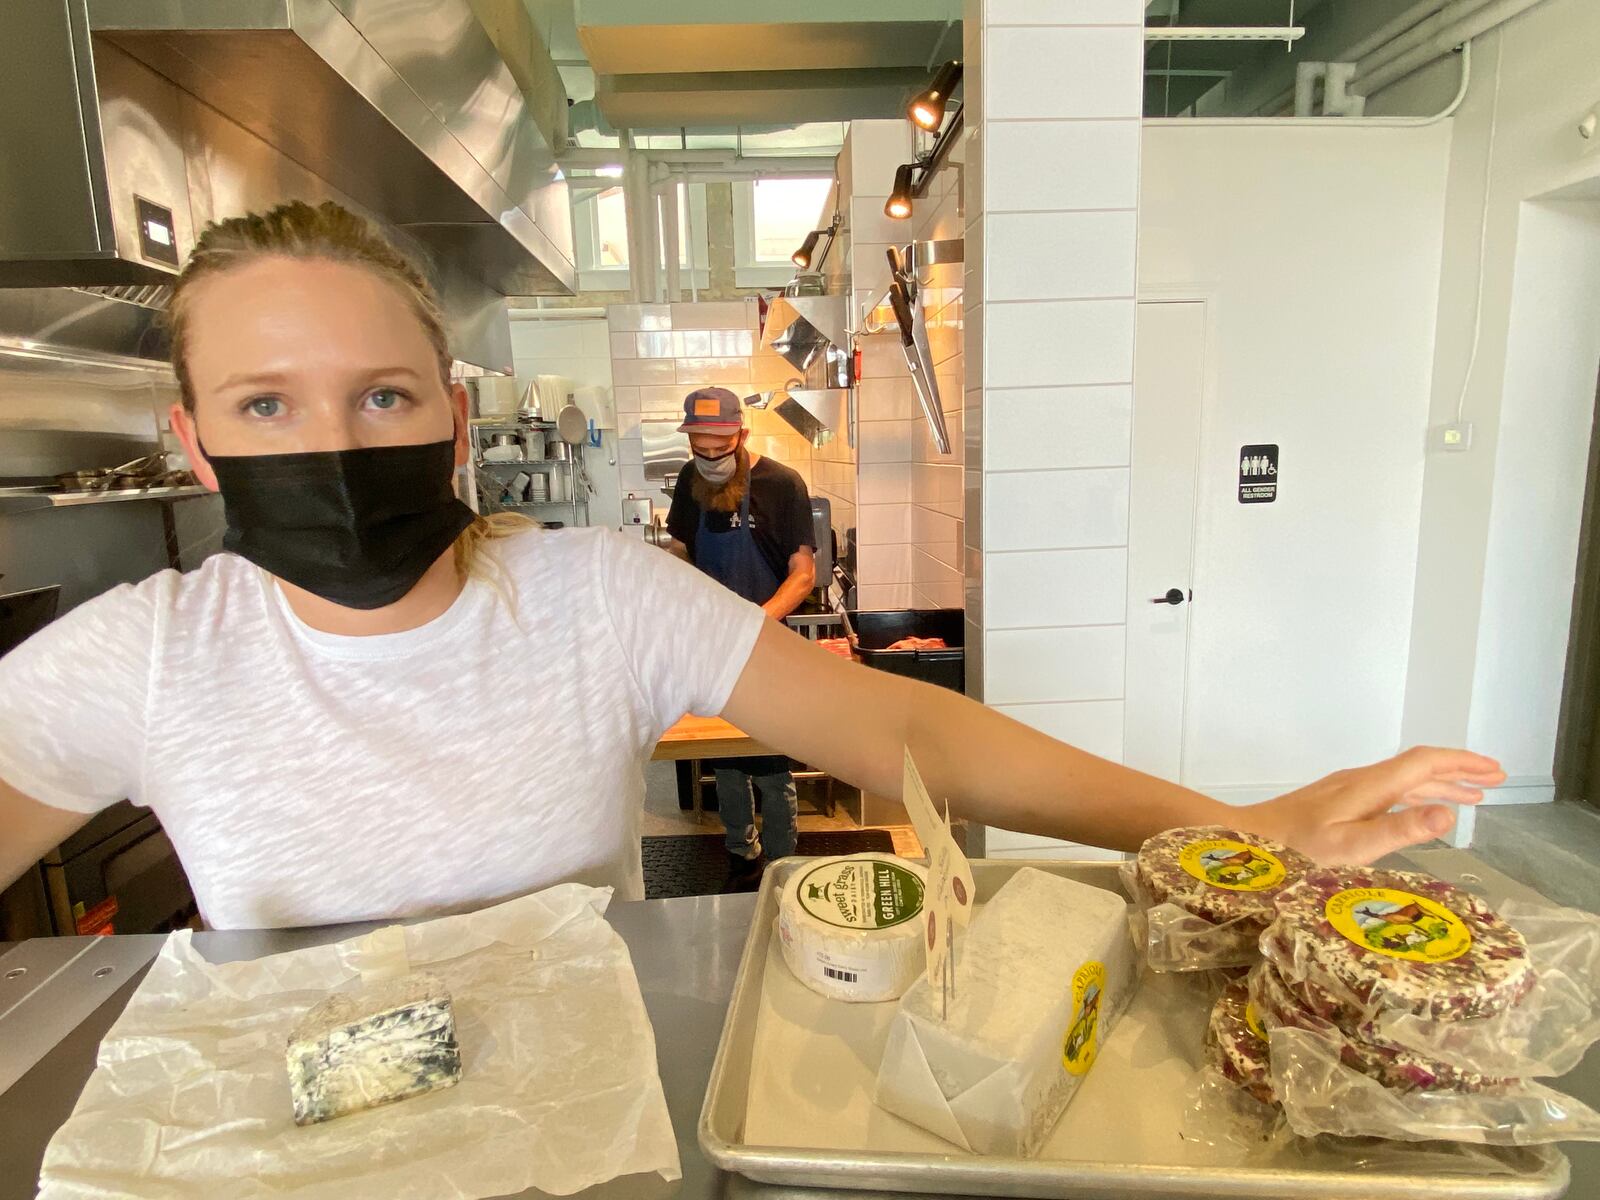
(559, 1087)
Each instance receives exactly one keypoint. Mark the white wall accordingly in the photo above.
(1498, 531)
(579, 351)
(1318, 253)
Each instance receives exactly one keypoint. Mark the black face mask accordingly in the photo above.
(357, 527)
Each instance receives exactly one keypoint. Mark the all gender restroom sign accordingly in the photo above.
(1258, 474)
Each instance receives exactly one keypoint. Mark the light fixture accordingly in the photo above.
(927, 107)
(898, 205)
(802, 257)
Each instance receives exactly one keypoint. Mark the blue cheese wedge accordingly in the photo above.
(382, 1043)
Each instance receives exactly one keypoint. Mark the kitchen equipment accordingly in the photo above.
(538, 488)
(1119, 1138)
(148, 470)
(914, 343)
(638, 510)
(500, 395)
(560, 451)
(557, 487)
(517, 489)
(572, 425)
(872, 633)
(533, 445)
(504, 448)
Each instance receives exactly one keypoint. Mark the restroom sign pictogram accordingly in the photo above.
(1258, 474)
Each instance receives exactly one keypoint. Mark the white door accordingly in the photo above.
(1168, 392)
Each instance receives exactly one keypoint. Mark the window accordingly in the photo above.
(600, 234)
(771, 217)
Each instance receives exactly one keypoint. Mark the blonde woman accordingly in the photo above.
(334, 721)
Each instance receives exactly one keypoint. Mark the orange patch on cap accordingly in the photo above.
(707, 407)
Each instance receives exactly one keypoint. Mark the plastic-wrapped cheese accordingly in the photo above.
(1041, 976)
(849, 927)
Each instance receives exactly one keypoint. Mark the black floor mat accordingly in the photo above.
(696, 864)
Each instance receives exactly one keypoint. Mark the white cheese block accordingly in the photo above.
(849, 926)
(379, 1044)
(1041, 975)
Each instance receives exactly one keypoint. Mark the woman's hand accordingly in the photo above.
(1346, 817)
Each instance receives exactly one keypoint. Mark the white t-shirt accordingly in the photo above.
(308, 778)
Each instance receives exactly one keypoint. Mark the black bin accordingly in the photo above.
(873, 631)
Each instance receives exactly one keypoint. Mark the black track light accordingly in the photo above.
(898, 205)
(927, 107)
(802, 257)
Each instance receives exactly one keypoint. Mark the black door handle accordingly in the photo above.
(1173, 596)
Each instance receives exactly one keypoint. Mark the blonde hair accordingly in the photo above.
(328, 233)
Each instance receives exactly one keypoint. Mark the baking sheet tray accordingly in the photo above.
(809, 1065)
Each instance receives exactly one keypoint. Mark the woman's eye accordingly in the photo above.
(385, 399)
(263, 406)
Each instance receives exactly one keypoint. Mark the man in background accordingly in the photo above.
(745, 520)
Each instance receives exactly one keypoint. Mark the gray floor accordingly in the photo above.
(1553, 848)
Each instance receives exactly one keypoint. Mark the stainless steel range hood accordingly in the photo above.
(127, 124)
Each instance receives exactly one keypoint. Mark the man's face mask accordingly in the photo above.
(717, 469)
(357, 527)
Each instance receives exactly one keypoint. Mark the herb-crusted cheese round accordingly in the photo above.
(848, 926)
(1221, 875)
(1238, 1044)
(1393, 1066)
(1355, 941)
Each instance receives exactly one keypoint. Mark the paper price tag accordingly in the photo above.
(948, 903)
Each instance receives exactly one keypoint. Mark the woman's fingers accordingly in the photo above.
(1356, 842)
(1453, 793)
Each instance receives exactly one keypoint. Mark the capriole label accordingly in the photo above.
(868, 893)
(1232, 866)
(1253, 1021)
(1082, 1042)
(1399, 924)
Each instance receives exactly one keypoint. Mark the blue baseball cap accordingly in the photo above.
(712, 409)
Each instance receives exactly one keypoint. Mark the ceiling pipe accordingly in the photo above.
(1419, 35)
(1480, 22)
(1380, 36)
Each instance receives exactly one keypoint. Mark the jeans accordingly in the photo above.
(770, 779)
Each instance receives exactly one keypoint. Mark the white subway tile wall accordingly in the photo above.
(1052, 151)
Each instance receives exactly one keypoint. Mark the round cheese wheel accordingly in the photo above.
(849, 926)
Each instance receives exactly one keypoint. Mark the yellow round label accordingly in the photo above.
(1083, 1035)
(1235, 866)
(1399, 924)
(1252, 1020)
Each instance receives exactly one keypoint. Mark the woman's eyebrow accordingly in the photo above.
(253, 379)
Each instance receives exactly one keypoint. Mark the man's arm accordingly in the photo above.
(28, 830)
(801, 579)
(997, 771)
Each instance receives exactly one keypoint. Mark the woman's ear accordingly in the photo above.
(459, 408)
(183, 425)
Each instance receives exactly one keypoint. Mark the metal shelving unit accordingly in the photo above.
(35, 501)
(574, 511)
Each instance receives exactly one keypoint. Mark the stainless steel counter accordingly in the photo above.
(686, 953)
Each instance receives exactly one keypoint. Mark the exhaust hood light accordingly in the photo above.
(898, 205)
(802, 257)
(927, 108)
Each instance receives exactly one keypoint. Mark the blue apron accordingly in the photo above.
(734, 560)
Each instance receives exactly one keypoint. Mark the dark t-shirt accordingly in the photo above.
(780, 513)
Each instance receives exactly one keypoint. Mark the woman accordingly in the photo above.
(380, 705)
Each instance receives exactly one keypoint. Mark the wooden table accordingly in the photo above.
(693, 740)
(706, 737)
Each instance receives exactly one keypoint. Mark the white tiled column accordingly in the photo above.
(1053, 94)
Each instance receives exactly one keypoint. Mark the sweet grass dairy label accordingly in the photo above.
(1082, 1040)
(864, 894)
(1233, 866)
(1398, 924)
